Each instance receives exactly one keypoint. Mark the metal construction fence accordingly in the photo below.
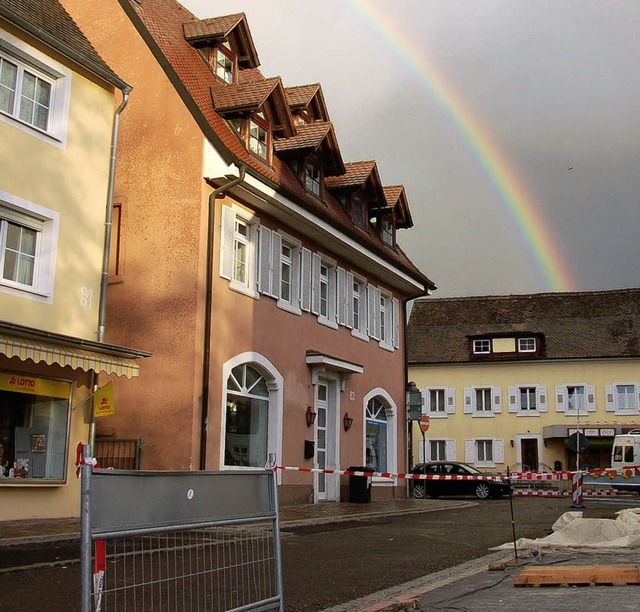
(179, 541)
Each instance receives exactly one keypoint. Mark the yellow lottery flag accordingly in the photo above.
(103, 402)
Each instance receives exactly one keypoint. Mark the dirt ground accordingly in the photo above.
(324, 565)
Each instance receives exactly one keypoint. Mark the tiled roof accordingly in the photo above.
(395, 196)
(250, 95)
(308, 138)
(161, 24)
(574, 325)
(392, 194)
(48, 21)
(250, 75)
(214, 27)
(356, 175)
(301, 95)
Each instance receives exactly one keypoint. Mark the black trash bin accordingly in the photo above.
(360, 486)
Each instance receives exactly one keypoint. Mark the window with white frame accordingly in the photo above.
(238, 245)
(223, 62)
(359, 307)
(28, 243)
(482, 346)
(286, 273)
(575, 399)
(34, 90)
(387, 231)
(483, 401)
(439, 401)
(526, 345)
(484, 452)
(324, 290)
(376, 443)
(437, 450)
(623, 398)
(528, 400)
(259, 136)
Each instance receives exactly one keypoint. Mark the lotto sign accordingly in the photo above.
(424, 422)
(103, 401)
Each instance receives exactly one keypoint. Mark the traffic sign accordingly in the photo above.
(578, 442)
(424, 422)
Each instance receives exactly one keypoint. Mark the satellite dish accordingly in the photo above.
(578, 442)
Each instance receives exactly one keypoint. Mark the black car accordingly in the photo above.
(488, 485)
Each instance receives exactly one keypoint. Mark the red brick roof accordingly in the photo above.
(251, 95)
(356, 175)
(397, 198)
(161, 24)
(577, 325)
(48, 21)
(301, 95)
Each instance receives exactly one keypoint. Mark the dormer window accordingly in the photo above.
(259, 136)
(482, 347)
(312, 177)
(386, 231)
(358, 211)
(223, 63)
(526, 345)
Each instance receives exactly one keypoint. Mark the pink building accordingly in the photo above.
(260, 269)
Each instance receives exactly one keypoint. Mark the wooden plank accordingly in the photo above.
(556, 575)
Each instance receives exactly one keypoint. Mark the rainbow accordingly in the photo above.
(513, 195)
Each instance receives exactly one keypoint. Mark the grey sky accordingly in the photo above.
(554, 83)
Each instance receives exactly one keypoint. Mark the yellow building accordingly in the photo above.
(56, 125)
(506, 380)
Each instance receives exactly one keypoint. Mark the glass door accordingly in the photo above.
(322, 406)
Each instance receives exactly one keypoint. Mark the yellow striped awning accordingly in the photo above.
(104, 360)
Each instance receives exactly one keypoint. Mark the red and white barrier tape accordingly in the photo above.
(390, 474)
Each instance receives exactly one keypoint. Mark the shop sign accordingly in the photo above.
(19, 383)
(103, 401)
(594, 432)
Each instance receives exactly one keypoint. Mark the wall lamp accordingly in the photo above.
(347, 421)
(310, 415)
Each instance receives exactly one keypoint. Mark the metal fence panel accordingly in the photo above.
(180, 541)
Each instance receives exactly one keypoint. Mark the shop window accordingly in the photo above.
(247, 418)
(34, 416)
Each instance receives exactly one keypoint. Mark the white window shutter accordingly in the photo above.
(542, 399)
(560, 403)
(450, 450)
(426, 400)
(450, 399)
(227, 229)
(591, 398)
(427, 450)
(637, 397)
(610, 398)
(306, 280)
(496, 392)
(468, 401)
(470, 451)
(342, 296)
(276, 250)
(264, 260)
(315, 292)
(332, 295)
(512, 392)
(498, 451)
(295, 277)
(349, 300)
(373, 302)
(396, 322)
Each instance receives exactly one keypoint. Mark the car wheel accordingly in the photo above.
(482, 490)
(418, 491)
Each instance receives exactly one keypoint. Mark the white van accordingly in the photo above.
(626, 453)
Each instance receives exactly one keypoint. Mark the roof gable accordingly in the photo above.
(313, 138)
(308, 99)
(212, 31)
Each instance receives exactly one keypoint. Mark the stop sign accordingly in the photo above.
(424, 422)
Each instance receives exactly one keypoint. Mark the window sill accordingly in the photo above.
(244, 290)
(385, 346)
(327, 323)
(30, 482)
(483, 415)
(282, 305)
(437, 415)
(359, 335)
(528, 413)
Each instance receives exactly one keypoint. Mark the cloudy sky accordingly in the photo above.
(513, 124)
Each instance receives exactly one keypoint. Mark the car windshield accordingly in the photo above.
(469, 469)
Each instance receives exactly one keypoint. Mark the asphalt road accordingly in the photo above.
(326, 565)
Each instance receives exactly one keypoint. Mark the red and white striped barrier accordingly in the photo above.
(390, 474)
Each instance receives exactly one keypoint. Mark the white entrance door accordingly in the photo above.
(326, 487)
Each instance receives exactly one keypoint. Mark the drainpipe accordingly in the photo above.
(206, 360)
(102, 307)
(104, 281)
